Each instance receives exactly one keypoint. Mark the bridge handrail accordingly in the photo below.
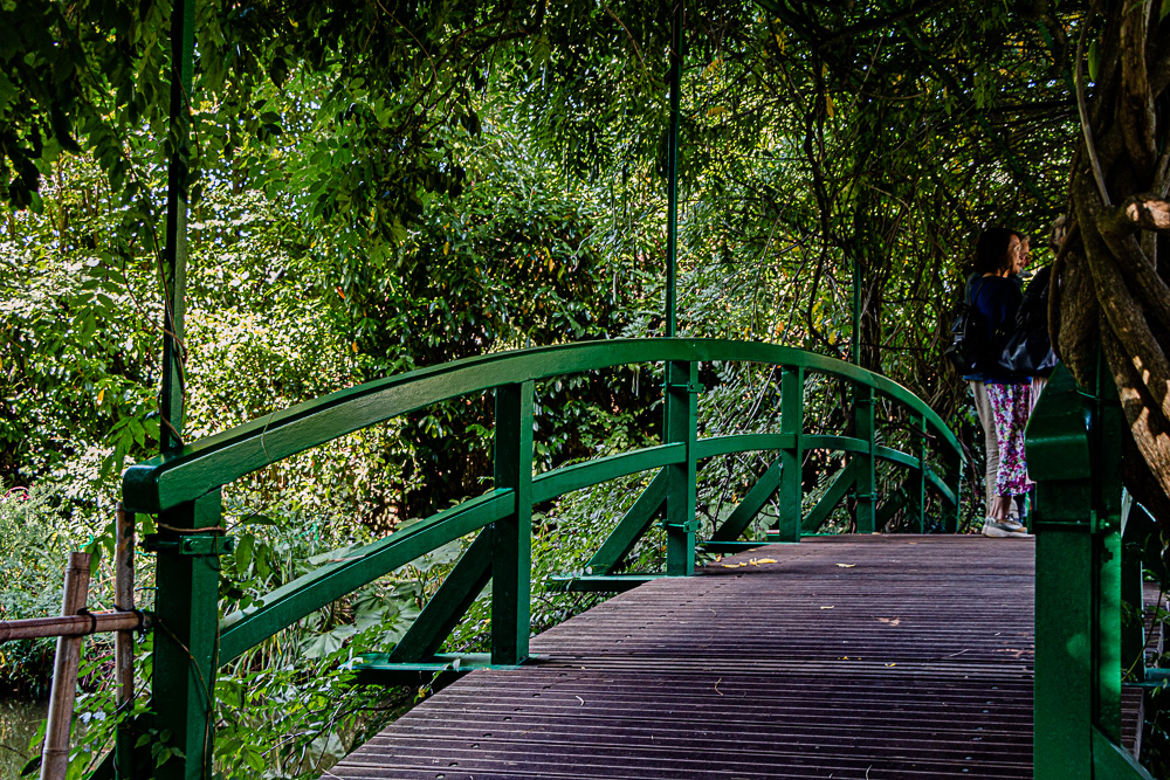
(168, 480)
(184, 488)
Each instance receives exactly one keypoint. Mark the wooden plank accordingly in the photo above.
(879, 656)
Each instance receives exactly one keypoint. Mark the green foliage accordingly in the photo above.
(33, 555)
(75, 342)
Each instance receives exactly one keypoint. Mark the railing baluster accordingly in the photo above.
(187, 631)
(918, 483)
(512, 547)
(863, 428)
(791, 422)
(681, 425)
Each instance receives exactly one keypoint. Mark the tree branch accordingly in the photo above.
(1142, 212)
(1137, 118)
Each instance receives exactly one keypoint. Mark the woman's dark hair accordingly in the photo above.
(991, 250)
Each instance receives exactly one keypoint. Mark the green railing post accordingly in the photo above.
(791, 496)
(863, 428)
(1105, 433)
(186, 633)
(918, 480)
(512, 535)
(1074, 455)
(1058, 455)
(681, 425)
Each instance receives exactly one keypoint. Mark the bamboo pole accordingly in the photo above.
(55, 756)
(124, 602)
(72, 625)
(124, 642)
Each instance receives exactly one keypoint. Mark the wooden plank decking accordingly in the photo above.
(846, 657)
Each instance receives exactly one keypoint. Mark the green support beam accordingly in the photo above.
(1073, 451)
(792, 424)
(186, 633)
(174, 259)
(917, 486)
(681, 420)
(1059, 461)
(442, 613)
(865, 486)
(845, 480)
(512, 535)
(631, 527)
(675, 77)
(741, 517)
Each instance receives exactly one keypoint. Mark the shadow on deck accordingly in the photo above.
(844, 657)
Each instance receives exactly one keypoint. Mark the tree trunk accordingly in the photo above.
(1110, 292)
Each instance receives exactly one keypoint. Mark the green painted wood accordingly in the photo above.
(841, 486)
(1112, 762)
(602, 583)
(172, 478)
(741, 442)
(893, 501)
(917, 478)
(823, 441)
(379, 668)
(289, 603)
(1105, 431)
(1058, 459)
(741, 517)
(675, 57)
(865, 484)
(460, 588)
(512, 534)
(569, 478)
(185, 634)
(1063, 691)
(1073, 440)
(1108, 632)
(791, 423)
(174, 254)
(681, 426)
(630, 528)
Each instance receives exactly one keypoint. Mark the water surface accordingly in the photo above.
(19, 720)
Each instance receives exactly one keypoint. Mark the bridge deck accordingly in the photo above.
(846, 657)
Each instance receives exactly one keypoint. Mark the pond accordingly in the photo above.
(19, 720)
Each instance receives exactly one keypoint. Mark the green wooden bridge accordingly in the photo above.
(1083, 578)
(745, 709)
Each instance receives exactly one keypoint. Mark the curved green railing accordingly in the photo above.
(184, 489)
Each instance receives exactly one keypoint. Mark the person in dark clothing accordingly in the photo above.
(1002, 400)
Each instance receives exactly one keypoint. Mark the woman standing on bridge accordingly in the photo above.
(1002, 399)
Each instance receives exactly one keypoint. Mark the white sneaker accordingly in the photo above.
(998, 530)
(1013, 524)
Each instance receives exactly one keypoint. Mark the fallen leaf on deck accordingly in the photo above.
(846, 565)
(892, 621)
(829, 607)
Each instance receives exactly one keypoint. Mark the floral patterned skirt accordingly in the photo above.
(1010, 405)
